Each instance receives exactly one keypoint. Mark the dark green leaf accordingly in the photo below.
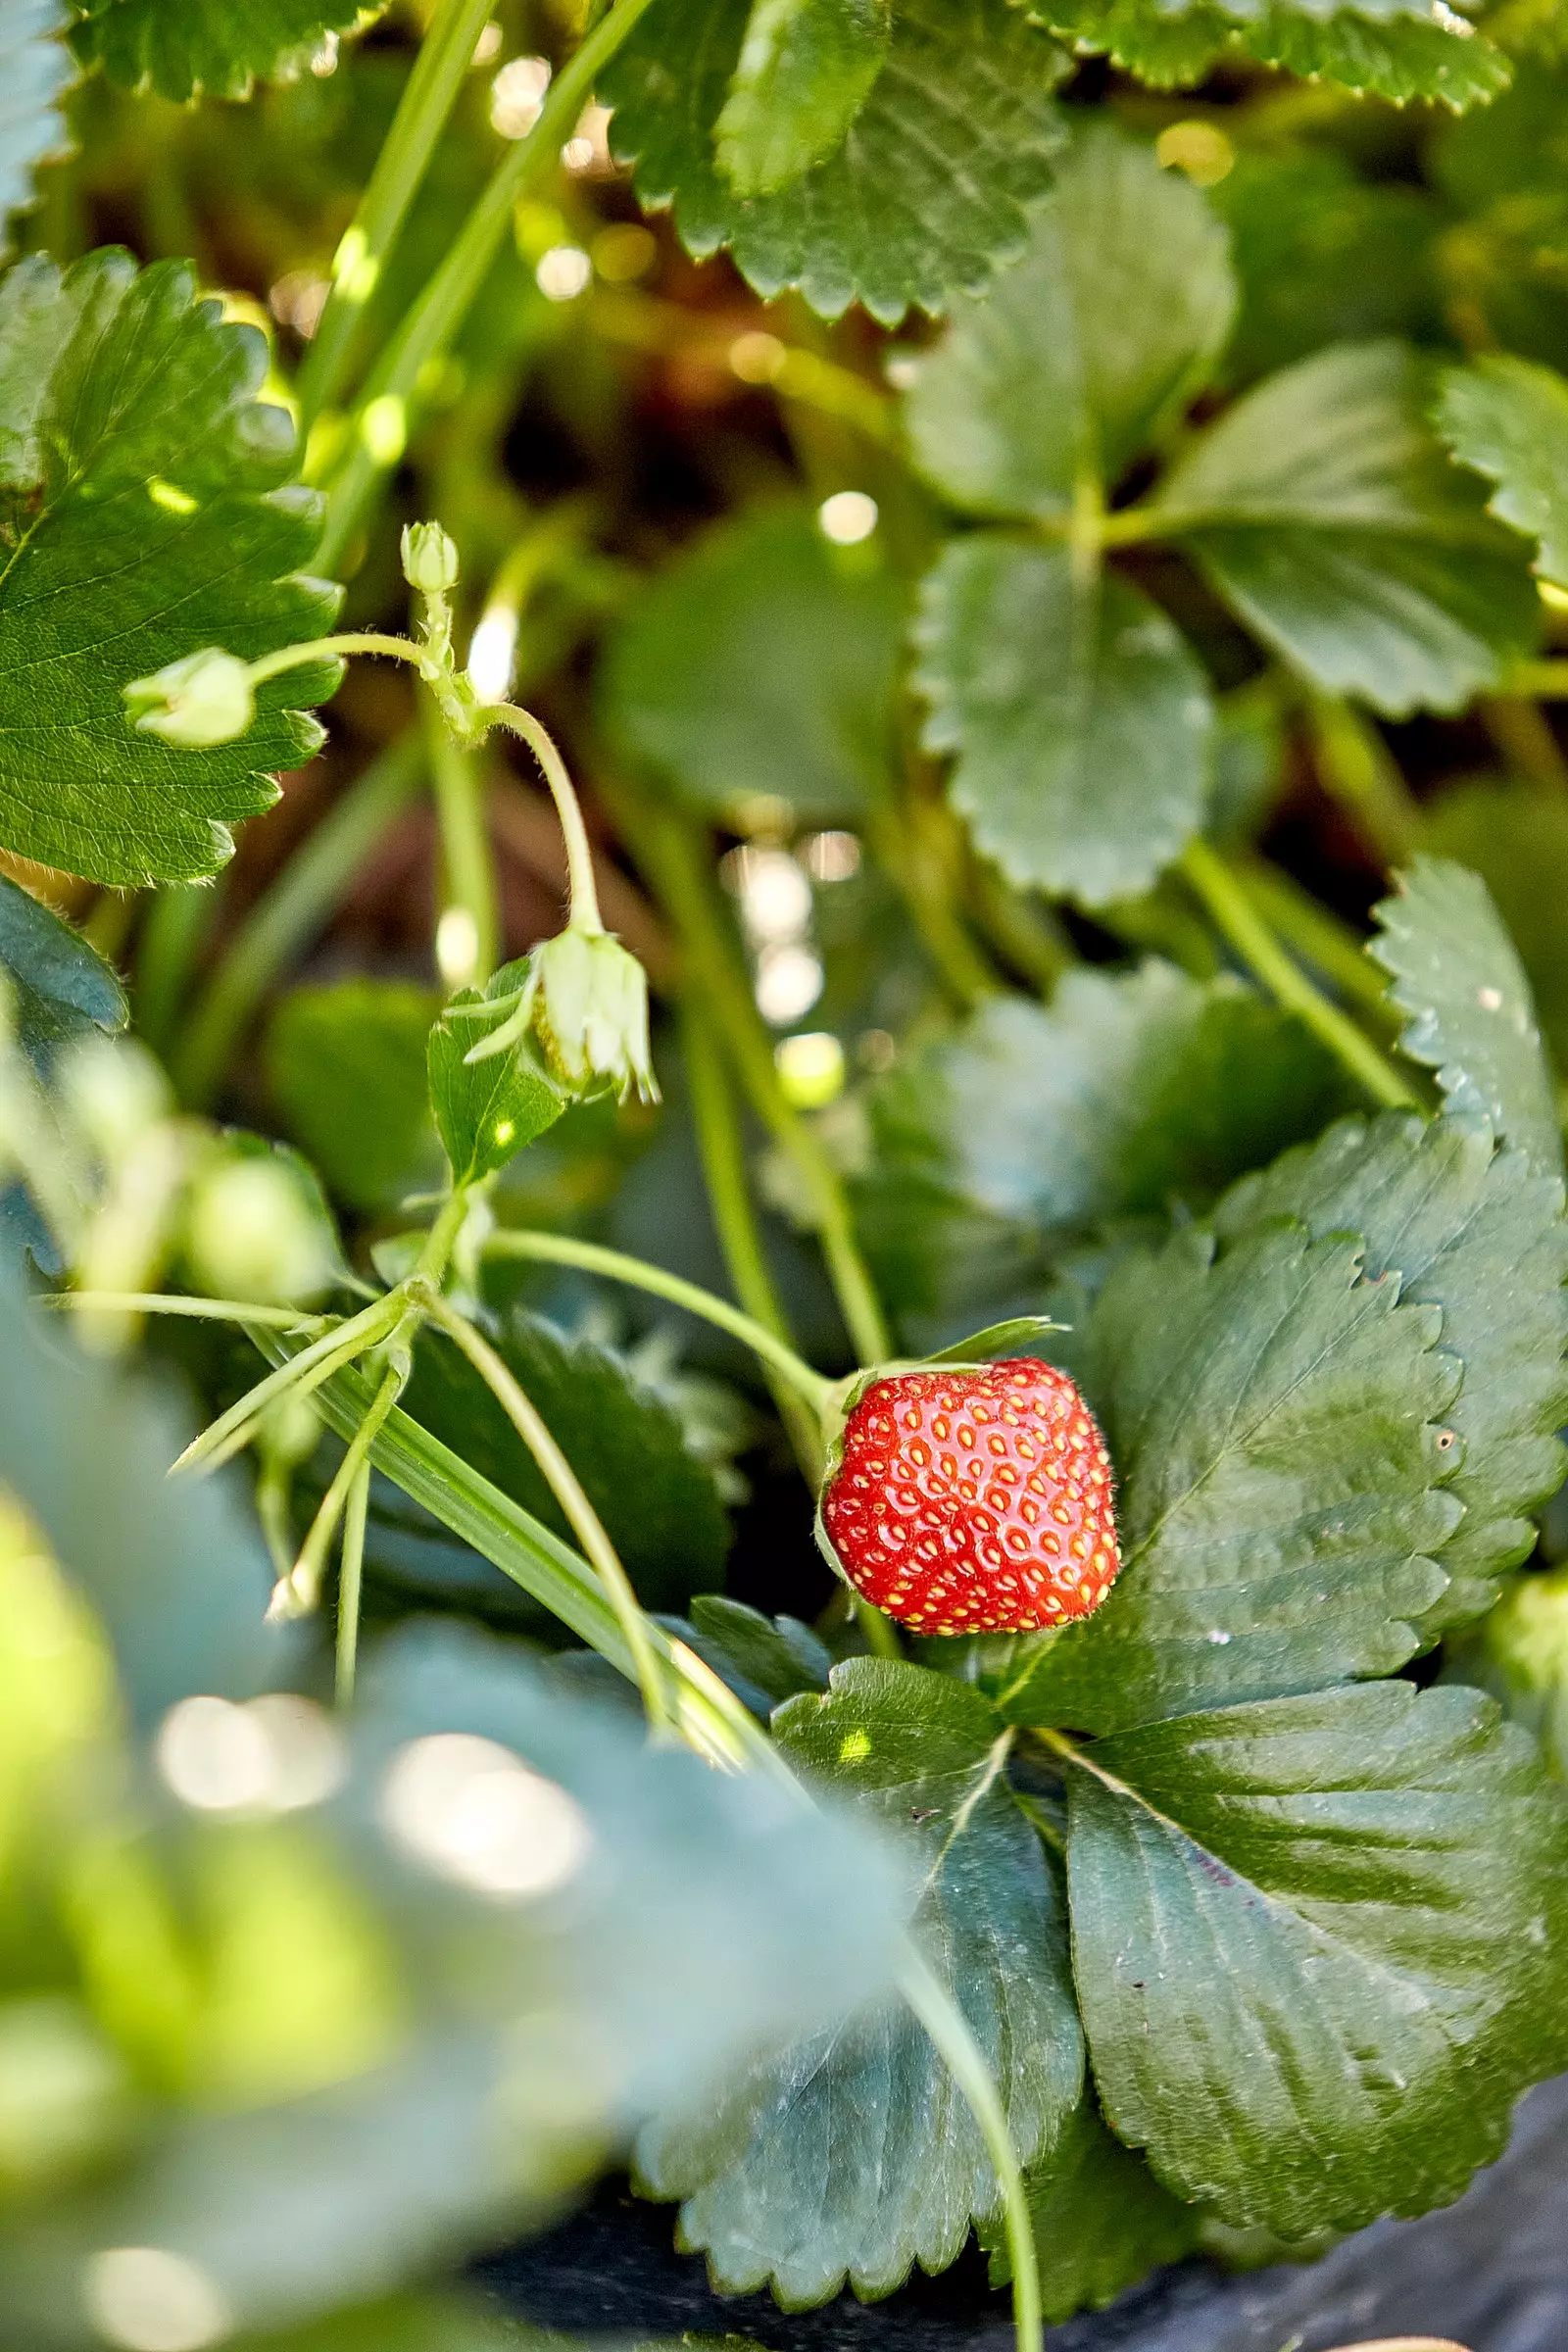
(1101, 2221)
(183, 47)
(346, 1065)
(486, 1111)
(1515, 837)
(997, 1339)
(1080, 717)
(927, 192)
(1507, 419)
(1456, 975)
(763, 663)
(1271, 1417)
(61, 988)
(804, 70)
(35, 69)
(1480, 1237)
(142, 494)
(854, 2156)
(765, 1660)
(1317, 1925)
(1323, 512)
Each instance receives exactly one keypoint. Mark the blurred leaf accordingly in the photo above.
(1483, 1238)
(854, 2156)
(346, 1065)
(143, 480)
(1254, 1992)
(36, 68)
(1101, 2221)
(1089, 348)
(764, 661)
(61, 988)
(1519, 1652)
(1456, 975)
(1322, 510)
(1515, 837)
(1080, 717)
(1270, 1416)
(1507, 419)
(804, 70)
(183, 47)
(1250, 748)
(486, 1111)
(928, 191)
(765, 1660)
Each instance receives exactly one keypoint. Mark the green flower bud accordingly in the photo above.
(585, 1004)
(253, 1233)
(202, 700)
(429, 559)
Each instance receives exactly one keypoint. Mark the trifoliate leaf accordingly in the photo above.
(346, 1067)
(1128, 1094)
(1089, 346)
(1325, 1924)
(1101, 2221)
(34, 70)
(1080, 717)
(1273, 1420)
(925, 195)
(1456, 975)
(1507, 419)
(185, 46)
(1515, 836)
(802, 75)
(1322, 510)
(486, 1111)
(764, 662)
(60, 987)
(142, 501)
(1482, 1236)
(854, 2156)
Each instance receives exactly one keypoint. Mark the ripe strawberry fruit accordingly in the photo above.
(974, 1503)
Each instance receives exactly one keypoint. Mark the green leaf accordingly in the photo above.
(1080, 717)
(486, 1111)
(1130, 1092)
(35, 69)
(763, 663)
(1515, 836)
(1271, 1416)
(1321, 509)
(1101, 2221)
(804, 70)
(1483, 1238)
(1457, 976)
(186, 47)
(1170, 52)
(1402, 57)
(143, 498)
(1091, 345)
(765, 1660)
(659, 1503)
(1507, 419)
(854, 2157)
(60, 987)
(928, 191)
(1317, 1926)
(346, 1067)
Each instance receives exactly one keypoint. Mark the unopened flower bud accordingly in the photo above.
(429, 559)
(202, 700)
(253, 1233)
(585, 1005)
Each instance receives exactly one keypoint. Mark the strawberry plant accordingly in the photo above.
(784, 829)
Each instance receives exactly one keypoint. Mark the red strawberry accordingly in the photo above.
(975, 1502)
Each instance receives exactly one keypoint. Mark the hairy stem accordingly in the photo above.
(583, 913)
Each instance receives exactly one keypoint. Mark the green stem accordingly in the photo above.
(468, 866)
(172, 931)
(1546, 681)
(324, 648)
(1356, 771)
(426, 332)
(351, 1574)
(1313, 932)
(304, 1371)
(301, 1589)
(436, 1255)
(289, 914)
(1242, 924)
(567, 1487)
(559, 1249)
(429, 96)
(909, 845)
(212, 1310)
(583, 911)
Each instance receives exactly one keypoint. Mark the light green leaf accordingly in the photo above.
(143, 498)
(1101, 2221)
(186, 47)
(486, 1111)
(1322, 510)
(1089, 346)
(764, 661)
(928, 191)
(1507, 419)
(1272, 1417)
(1319, 1925)
(1483, 1238)
(1080, 717)
(1456, 975)
(34, 68)
(1515, 836)
(346, 1067)
(854, 2156)
(60, 987)
(804, 70)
